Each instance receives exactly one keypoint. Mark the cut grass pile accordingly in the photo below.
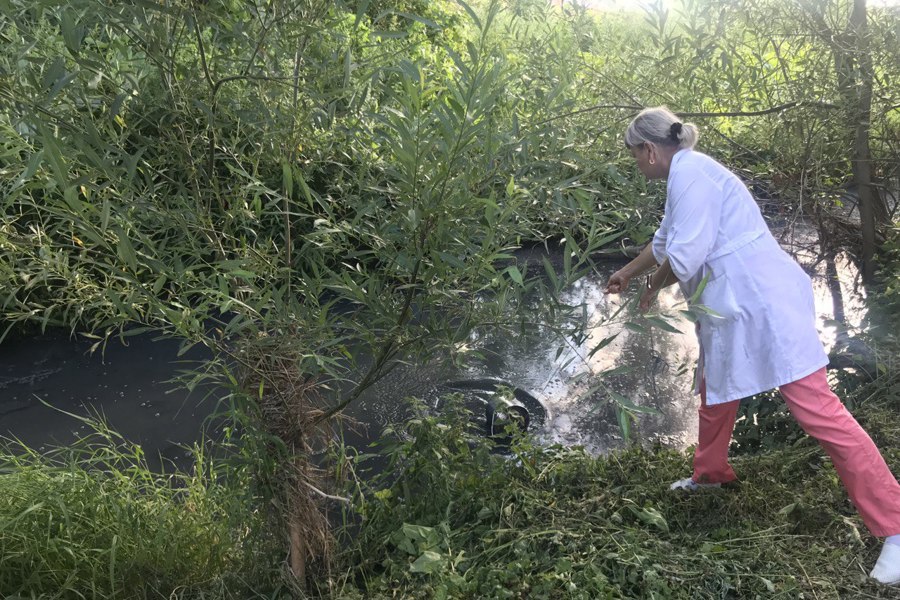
(457, 521)
(449, 518)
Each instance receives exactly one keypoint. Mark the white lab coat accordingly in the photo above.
(764, 335)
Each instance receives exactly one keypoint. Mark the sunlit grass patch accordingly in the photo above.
(557, 523)
(93, 521)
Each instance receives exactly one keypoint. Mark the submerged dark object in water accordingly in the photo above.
(504, 405)
(498, 416)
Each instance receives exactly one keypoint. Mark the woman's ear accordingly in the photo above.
(652, 154)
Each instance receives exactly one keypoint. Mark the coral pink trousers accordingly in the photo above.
(869, 482)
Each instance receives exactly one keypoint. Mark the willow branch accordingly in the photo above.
(730, 113)
(201, 48)
(324, 495)
(759, 113)
(591, 109)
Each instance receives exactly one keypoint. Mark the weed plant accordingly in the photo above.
(449, 516)
(93, 521)
(453, 519)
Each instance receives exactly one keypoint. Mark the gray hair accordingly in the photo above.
(660, 126)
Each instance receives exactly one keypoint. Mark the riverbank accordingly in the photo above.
(555, 523)
(546, 522)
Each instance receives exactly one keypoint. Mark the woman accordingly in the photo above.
(762, 334)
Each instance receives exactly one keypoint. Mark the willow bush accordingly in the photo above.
(167, 169)
(298, 184)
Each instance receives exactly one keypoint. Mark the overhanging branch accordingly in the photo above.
(759, 113)
(731, 113)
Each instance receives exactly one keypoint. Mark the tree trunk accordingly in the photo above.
(862, 157)
(297, 551)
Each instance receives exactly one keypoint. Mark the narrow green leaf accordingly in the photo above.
(602, 344)
(689, 315)
(70, 195)
(471, 12)
(112, 562)
(551, 273)
(73, 34)
(701, 308)
(621, 370)
(624, 422)
(602, 241)
(419, 19)
(30, 169)
(54, 72)
(307, 194)
(390, 35)
(55, 158)
(125, 250)
(635, 327)
(451, 260)
(104, 215)
(361, 9)
(627, 404)
(158, 284)
(133, 331)
(287, 178)
(60, 84)
(348, 65)
(116, 106)
(242, 273)
(515, 274)
(696, 295)
(658, 321)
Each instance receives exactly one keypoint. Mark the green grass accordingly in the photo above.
(92, 521)
(448, 518)
(459, 522)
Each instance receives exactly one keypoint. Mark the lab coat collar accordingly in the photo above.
(677, 157)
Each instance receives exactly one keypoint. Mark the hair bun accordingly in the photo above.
(675, 130)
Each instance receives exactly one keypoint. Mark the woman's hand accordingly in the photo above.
(644, 261)
(618, 282)
(648, 295)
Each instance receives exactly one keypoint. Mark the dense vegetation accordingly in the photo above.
(299, 183)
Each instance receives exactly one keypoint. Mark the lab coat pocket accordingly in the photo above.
(719, 297)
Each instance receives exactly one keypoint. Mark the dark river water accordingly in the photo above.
(45, 376)
(133, 387)
(653, 368)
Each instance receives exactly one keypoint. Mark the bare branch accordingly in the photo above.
(759, 113)
(590, 109)
(201, 47)
(731, 113)
(324, 495)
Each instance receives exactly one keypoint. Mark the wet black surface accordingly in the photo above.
(129, 385)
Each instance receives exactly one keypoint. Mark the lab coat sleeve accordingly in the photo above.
(658, 245)
(693, 209)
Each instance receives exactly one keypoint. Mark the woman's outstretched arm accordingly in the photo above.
(662, 277)
(618, 281)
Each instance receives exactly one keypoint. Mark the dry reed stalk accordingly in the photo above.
(290, 404)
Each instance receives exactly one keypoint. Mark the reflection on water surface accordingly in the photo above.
(653, 368)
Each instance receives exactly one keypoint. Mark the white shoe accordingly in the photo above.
(887, 568)
(689, 485)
